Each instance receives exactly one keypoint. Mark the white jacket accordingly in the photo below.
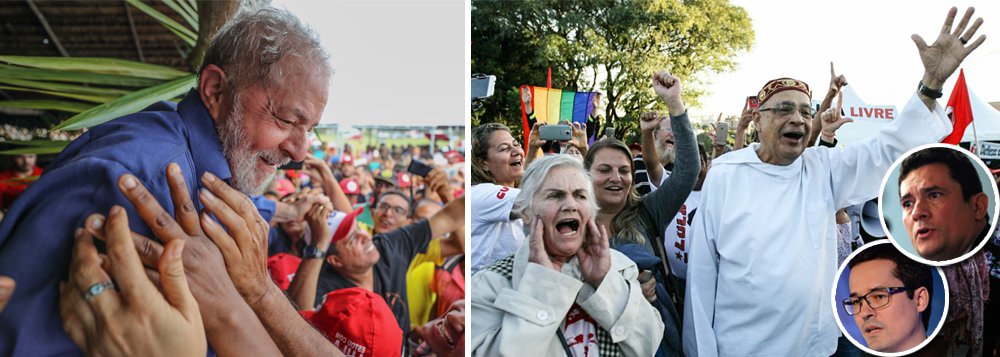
(519, 316)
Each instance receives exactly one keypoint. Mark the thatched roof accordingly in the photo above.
(111, 29)
(90, 29)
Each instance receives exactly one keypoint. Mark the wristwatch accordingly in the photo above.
(312, 252)
(929, 92)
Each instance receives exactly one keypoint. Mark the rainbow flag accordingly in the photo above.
(551, 105)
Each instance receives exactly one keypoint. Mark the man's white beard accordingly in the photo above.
(666, 154)
(242, 162)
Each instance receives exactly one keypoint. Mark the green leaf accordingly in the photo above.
(182, 8)
(61, 105)
(67, 88)
(60, 75)
(39, 143)
(33, 150)
(83, 97)
(183, 32)
(128, 104)
(97, 65)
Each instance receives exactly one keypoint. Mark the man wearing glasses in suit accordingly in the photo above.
(890, 298)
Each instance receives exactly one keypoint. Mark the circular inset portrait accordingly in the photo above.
(938, 204)
(886, 303)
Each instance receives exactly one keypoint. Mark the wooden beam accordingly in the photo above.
(45, 24)
(211, 16)
(131, 26)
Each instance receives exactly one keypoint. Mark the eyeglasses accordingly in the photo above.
(396, 210)
(877, 299)
(786, 108)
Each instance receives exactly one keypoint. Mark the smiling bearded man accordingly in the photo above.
(261, 88)
(243, 162)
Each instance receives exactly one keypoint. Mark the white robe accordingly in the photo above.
(764, 255)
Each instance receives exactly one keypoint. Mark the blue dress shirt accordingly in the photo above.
(36, 236)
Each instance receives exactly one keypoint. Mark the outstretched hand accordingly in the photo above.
(943, 57)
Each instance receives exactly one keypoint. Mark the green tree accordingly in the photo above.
(611, 46)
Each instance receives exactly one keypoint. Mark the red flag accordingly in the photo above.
(959, 109)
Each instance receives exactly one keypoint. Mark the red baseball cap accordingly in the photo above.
(454, 156)
(282, 267)
(350, 186)
(404, 180)
(285, 187)
(358, 322)
(341, 224)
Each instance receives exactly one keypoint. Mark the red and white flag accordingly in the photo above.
(959, 110)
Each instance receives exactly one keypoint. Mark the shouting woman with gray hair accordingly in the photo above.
(566, 290)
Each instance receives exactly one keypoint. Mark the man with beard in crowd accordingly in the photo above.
(657, 154)
(261, 88)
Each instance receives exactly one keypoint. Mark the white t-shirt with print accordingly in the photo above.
(677, 235)
(494, 236)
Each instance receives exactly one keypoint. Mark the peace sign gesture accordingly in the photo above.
(943, 57)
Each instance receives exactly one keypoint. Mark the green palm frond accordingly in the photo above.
(128, 104)
(97, 65)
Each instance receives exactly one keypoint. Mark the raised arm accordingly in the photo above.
(243, 243)
(535, 143)
(649, 122)
(830, 121)
(318, 170)
(746, 116)
(837, 82)
(580, 137)
(664, 203)
(302, 290)
(858, 169)
(448, 219)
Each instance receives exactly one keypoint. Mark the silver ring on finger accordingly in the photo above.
(97, 289)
